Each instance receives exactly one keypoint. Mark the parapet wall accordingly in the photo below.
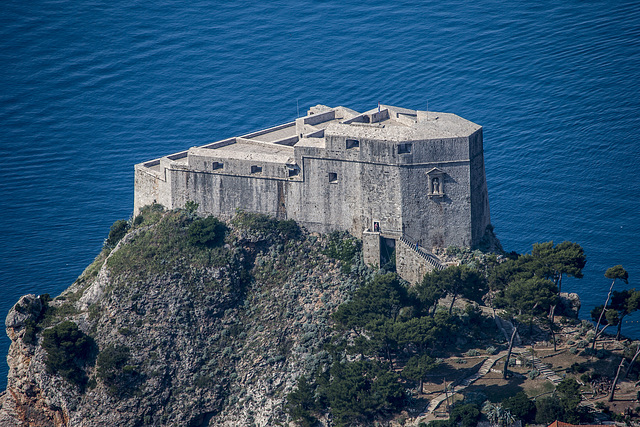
(409, 264)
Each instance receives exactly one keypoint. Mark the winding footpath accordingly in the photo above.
(485, 368)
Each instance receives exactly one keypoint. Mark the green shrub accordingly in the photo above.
(343, 247)
(30, 329)
(113, 369)
(191, 207)
(68, 350)
(116, 233)
(266, 224)
(208, 232)
(149, 214)
(466, 415)
(520, 407)
(548, 409)
(138, 220)
(359, 392)
(32, 325)
(301, 403)
(577, 368)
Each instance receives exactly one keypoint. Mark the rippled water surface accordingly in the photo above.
(90, 88)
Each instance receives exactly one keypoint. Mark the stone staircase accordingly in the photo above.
(545, 371)
(430, 258)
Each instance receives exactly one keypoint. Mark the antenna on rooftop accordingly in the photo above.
(298, 106)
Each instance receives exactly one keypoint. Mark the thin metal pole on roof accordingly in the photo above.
(298, 106)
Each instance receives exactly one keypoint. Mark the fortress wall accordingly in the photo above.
(440, 150)
(362, 193)
(380, 198)
(375, 145)
(221, 195)
(314, 119)
(480, 215)
(238, 167)
(324, 205)
(150, 186)
(437, 221)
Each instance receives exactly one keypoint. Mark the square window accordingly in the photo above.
(216, 165)
(404, 148)
(256, 169)
(352, 143)
(333, 177)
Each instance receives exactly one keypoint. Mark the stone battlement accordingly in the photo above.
(391, 171)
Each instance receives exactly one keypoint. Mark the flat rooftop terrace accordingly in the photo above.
(276, 144)
(248, 150)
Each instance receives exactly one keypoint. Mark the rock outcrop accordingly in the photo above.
(184, 335)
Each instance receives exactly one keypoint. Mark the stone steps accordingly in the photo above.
(430, 258)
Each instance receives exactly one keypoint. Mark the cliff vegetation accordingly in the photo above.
(191, 321)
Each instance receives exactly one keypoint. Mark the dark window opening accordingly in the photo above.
(352, 143)
(256, 169)
(216, 165)
(404, 148)
(333, 177)
(293, 171)
(376, 227)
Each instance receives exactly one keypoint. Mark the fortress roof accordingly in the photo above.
(386, 123)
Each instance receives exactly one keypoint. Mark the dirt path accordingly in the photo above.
(485, 368)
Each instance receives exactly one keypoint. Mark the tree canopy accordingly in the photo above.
(554, 262)
(455, 281)
(527, 299)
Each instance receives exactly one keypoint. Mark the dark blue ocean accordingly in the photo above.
(88, 89)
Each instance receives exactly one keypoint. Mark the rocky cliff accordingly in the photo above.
(166, 329)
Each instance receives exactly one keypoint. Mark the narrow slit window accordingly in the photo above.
(217, 165)
(352, 143)
(256, 169)
(404, 148)
(333, 177)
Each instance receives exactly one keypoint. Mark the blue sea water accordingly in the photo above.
(90, 88)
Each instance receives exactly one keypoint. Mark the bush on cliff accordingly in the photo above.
(149, 214)
(265, 224)
(344, 247)
(353, 392)
(164, 247)
(208, 232)
(68, 349)
(116, 233)
(114, 370)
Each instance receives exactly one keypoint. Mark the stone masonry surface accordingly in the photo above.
(387, 173)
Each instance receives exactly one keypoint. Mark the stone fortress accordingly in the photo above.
(398, 179)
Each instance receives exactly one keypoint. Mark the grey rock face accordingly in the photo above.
(214, 337)
(28, 307)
